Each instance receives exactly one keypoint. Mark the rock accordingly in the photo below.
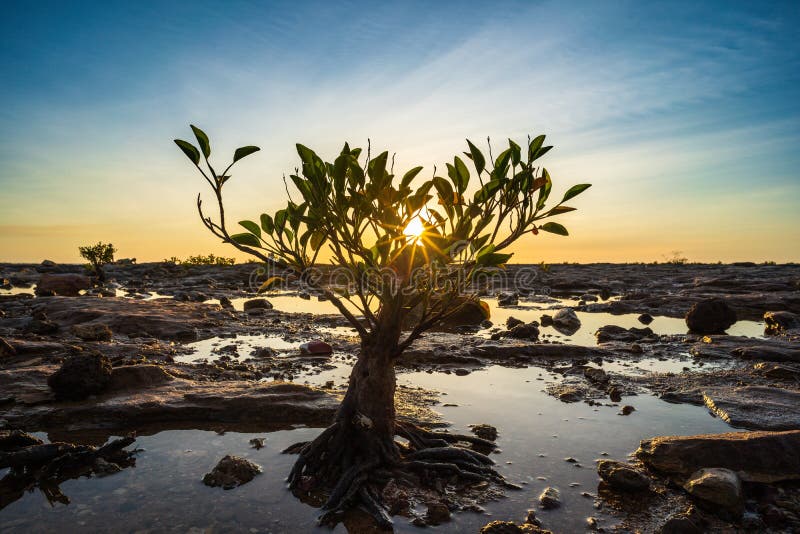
(437, 513)
(65, 285)
(92, 332)
(257, 443)
(511, 322)
(226, 303)
(531, 519)
(645, 318)
(613, 332)
(711, 316)
(566, 321)
(550, 498)
(508, 527)
(80, 376)
(765, 457)
(781, 322)
(777, 370)
(316, 348)
(395, 498)
(6, 349)
(484, 431)
(264, 352)
(256, 304)
(507, 299)
(103, 468)
(40, 324)
(525, 331)
(588, 297)
(614, 393)
(773, 353)
(230, 472)
(137, 377)
(546, 320)
(622, 477)
(569, 394)
(596, 376)
(627, 410)
(717, 488)
(755, 407)
(681, 524)
(12, 440)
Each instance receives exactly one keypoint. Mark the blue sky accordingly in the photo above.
(684, 116)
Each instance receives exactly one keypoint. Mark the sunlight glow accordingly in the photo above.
(414, 229)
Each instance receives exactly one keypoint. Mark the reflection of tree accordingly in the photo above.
(34, 464)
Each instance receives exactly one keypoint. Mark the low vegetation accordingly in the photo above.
(97, 256)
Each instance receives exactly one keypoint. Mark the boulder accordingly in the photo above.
(765, 457)
(613, 332)
(511, 322)
(437, 513)
(65, 285)
(546, 320)
(718, 489)
(566, 321)
(622, 477)
(316, 348)
(137, 377)
(711, 316)
(92, 332)
(80, 376)
(645, 318)
(780, 322)
(755, 407)
(525, 331)
(257, 304)
(507, 299)
(230, 472)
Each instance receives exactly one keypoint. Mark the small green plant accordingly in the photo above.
(210, 259)
(98, 255)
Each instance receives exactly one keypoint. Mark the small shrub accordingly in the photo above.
(211, 259)
(98, 255)
(676, 258)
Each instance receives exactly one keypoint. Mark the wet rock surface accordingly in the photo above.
(622, 477)
(80, 376)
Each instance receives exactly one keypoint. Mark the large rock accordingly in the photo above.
(566, 321)
(550, 498)
(781, 321)
(711, 316)
(92, 332)
(613, 332)
(622, 477)
(80, 376)
(755, 407)
(137, 377)
(65, 285)
(755, 456)
(717, 488)
(257, 304)
(230, 472)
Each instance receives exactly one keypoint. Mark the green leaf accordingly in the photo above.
(202, 140)
(477, 157)
(554, 228)
(575, 190)
(189, 149)
(533, 148)
(462, 175)
(317, 239)
(409, 176)
(246, 239)
(251, 227)
(558, 210)
(516, 152)
(544, 192)
(377, 167)
(266, 223)
(493, 259)
(244, 151)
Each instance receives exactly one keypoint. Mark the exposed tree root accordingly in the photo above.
(351, 464)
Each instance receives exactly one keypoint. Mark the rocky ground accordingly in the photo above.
(113, 359)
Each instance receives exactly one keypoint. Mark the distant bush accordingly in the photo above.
(676, 258)
(769, 262)
(202, 260)
(98, 255)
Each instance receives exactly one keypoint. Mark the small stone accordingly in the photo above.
(511, 322)
(550, 498)
(226, 303)
(437, 514)
(718, 487)
(546, 320)
(484, 431)
(230, 472)
(316, 348)
(257, 443)
(507, 299)
(645, 318)
(92, 332)
(622, 477)
(566, 321)
(257, 304)
(627, 410)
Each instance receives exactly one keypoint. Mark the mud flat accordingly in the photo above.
(155, 352)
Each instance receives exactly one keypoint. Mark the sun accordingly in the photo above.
(414, 229)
